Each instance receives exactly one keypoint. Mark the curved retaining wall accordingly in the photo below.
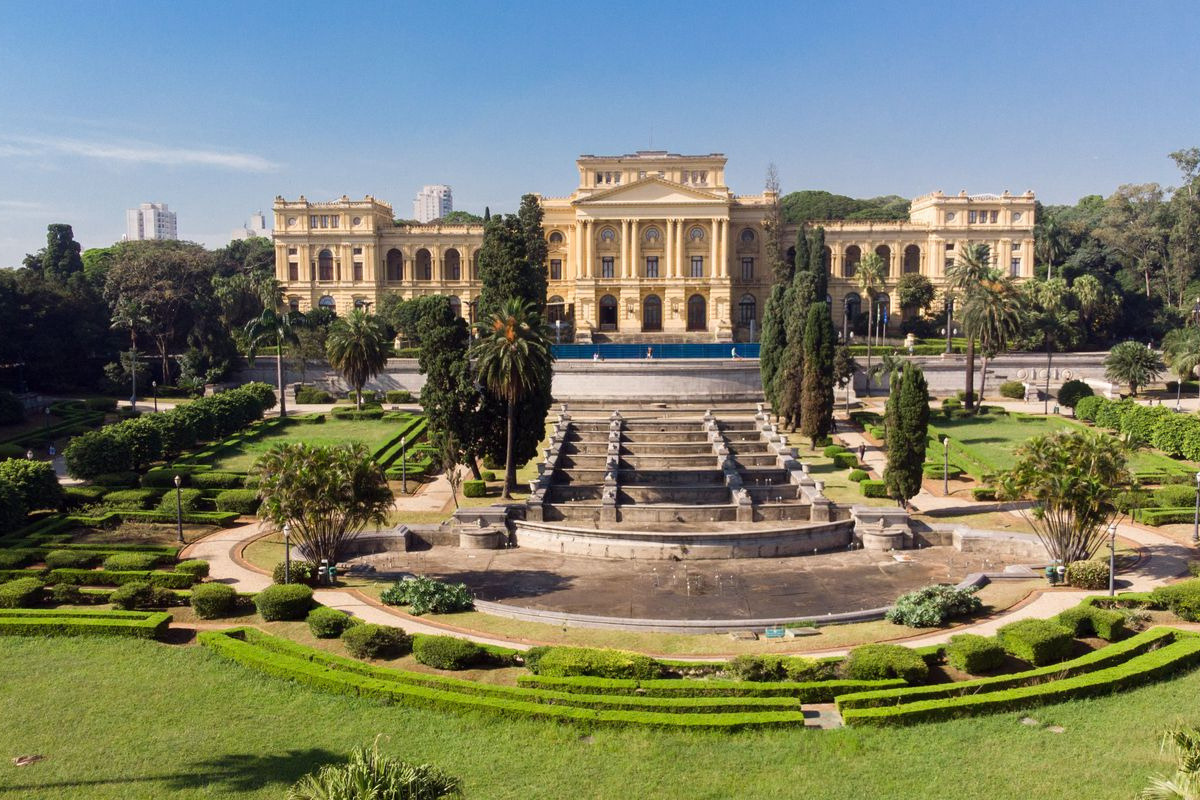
(757, 541)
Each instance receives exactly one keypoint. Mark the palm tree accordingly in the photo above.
(1181, 350)
(870, 277)
(973, 266)
(1049, 316)
(513, 360)
(1185, 783)
(1133, 363)
(1051, 243)
(131, 315)
(993, 313)
(357, 347)
(272, 327)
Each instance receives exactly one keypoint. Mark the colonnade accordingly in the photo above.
(632, 250)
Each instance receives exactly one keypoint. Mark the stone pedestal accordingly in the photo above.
(480, 539)
(881, 529)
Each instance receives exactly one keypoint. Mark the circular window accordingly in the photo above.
(747, 236)
(949, 216)
(652, 235)
(696, 234)
(1016, 216)
(608, 235)
(291, 221)
(357, 220)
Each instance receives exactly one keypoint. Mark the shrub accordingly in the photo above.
(974, 654)
(1013, 390)
(1086, 408)
(778, 668)
(135, 594)
(566, 662)
(982, 493)
(12, 508)
(76, 496)
(447, 652)
(126, 479)
(243, 501)
(1174, 496)
(1088, 574)
(1085, 620)
(1071, 392)
(425, 595)
(283, 602)
(933, 606)
(872, 488)
(474, 489)
(488, 475)
(833, 449)
(21, 593)
(376, 641)
(310, 395)
(71, 559)
(1127, 500)
(370, 774)
(188, 500)
(1183, 599)
(302, 572)
(876, 662)
(130, 499)
(845, 460)
(217, 480)
(66, 594)
(16, 559)
(399, 396)
(351, 413)
(125, 562)
(857, 475)
(1108, 415)
(936, 471)
(193, 566)
(328, 623)
(263, 393)
(35, 480)
(1037, 641)
(213, 600)
(951, 404)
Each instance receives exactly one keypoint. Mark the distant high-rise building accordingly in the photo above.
(257, 227)
(433, 202)
(150, 221)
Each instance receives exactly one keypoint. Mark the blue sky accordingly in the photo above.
(215, 108)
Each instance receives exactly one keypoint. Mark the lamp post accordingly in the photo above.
(179, 507)
(946, 465)
(949, 321)
(287, 553)
(154, 384)
(404, 466)
(1196, 522)
(1112, 558)
(557, 331)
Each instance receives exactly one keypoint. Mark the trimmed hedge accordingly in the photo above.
(833, 449)
(124, 562)
(193, 566)
(21, 593)
(131, 499)
(286, 601)
(798, 669)
(984, 493)
(1087, 620)
(857, 475)
(565, 662)
(474, 488)
(808, 692)
(64, 622)
(78, 559)
(1183, 599)
(218, 480)
(376, 641)
(1037, 641)
(140, 594)
(104, 577)
(872, 488)
(328, 623)
(213, 600)
(938, 471)
(974, 654)
(399, 396)
(1013, 390)
(845, 460)
(240, 501)
(447, 652)
(187, 499)
(351, 413)
(876, 662)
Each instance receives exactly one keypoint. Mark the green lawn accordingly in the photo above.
(332, 431)
(132, 719)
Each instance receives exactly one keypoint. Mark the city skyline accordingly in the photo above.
(861, 100)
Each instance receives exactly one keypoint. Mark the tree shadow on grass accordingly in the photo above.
(233, 773)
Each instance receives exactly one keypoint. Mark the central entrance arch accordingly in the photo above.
(697, 313)
(608, 313)
(652, 313)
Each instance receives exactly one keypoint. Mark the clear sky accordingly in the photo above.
(216, 108)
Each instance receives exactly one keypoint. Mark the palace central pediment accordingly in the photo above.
(651, 191)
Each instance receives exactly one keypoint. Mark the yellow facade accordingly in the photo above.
(650, 246)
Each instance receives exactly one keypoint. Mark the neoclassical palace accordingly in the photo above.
(650, 246)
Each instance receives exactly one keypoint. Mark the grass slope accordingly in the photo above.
(332, 431)
(158, 721)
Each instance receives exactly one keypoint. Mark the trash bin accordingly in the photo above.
(1051, 574)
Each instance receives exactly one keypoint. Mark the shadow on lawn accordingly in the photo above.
(228, 773)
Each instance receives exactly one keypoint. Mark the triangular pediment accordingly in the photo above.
(651, 190)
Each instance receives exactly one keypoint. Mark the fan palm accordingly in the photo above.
(1133, 363)
(357, 347)
(869, 277)
(1181, 350)
(1049, 317)
(1051, 244)
(513, 360)
(131, 315)
(993, 314)
(272, 327)
(974, 265)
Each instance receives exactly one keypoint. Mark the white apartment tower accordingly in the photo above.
(150, 221)
(432, 203)
(256, 227)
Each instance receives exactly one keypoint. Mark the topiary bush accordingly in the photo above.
(135, 594)
(71, 559)
(749, 667)
(12, 508)
(217, 480)
(983, 493)
(877, 662)
(282, 602)
(974, 654)
(189, 500)
(932, 606)
(1086, 408)
(329, 623)
(213, 600)
(1037, 641)
(845, 460)
(857, 475)
(76, 496)
(17, 558)
(21, 593)
(302, 572)
(399, 396)
(310, 395)
(447, 652)
(126, 562)
(872, 488)
(66, 594)
(425, 595)
(97, 452)
(35, 480)
(566, 662)
(193, 566)
(936, 471)
(376, 641)
(1088, 574)
(833, 449)
(242, 501)
(1183, 599)
(1174, 496)
(131, 499)
(1085, 620)
(1072, 392)
(488, 475)
(1013, 390)
(474, 489)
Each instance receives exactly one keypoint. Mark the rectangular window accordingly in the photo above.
(314, 221)
(357, 250)
(949, 248)
(599, 178)
(651, 266)
(333, 221)
(293, 271)
(358, 272)
(291, 251)
(995, 216)
(949, 263)
(971, 216)
(556, 269)
(747, 269)
(697, 266)
(1016, 267)
(606, 267)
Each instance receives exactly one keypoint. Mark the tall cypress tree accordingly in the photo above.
(816, 403)
(789, 375)
(816, 263)
(772, 342)
(907, 417)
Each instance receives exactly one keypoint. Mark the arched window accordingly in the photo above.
(556, 238)
(327, 302)
(293, 303)
(608, 313)
(696, 234)
(456, 306)
(885, 253)
(608, 235)
(424, 265)
(747, 236)
(912, 260)
(697, 318)
(826, 259)
(652, 313)
(853, 304)
(746, 309)
(850, 265)
(791, 255)
(360, 303)
(395, 265)
(653, 235)
(475, 266)
(325, 266)
(556, 309)
(882, 311)
(452, 264)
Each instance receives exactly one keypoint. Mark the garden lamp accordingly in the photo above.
(946, 465)
(1112, 557)
(287, 552)
(179, 507)
(1196, 521)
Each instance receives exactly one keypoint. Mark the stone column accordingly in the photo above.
(587, 248)
(724, 250)
(714, 249)
(635, 250)
(668, 269)
(624, 271)
(680, 225)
